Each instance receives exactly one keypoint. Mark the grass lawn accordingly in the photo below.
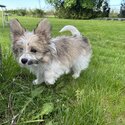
(96, 98)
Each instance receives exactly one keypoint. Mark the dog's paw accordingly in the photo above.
(36, 82)
(75, 76)
(50, 82)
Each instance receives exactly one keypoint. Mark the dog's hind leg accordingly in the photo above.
(76, 72)
(80, 64)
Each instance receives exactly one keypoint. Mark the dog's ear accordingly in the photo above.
(16, 29)
(43, 30)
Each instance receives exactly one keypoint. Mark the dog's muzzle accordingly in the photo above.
(30, 62)
(25, 61)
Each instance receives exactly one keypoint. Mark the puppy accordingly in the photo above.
(48, 58)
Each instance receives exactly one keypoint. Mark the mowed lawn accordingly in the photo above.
(96, 98)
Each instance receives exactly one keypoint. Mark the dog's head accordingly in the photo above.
(31, 47)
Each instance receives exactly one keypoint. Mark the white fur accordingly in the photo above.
(72, 29)
(49, 73)
(80, 64)
(52, 45)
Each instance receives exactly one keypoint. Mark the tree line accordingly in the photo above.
(74, 9)
(25, 12)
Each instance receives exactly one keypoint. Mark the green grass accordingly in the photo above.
(96, 98)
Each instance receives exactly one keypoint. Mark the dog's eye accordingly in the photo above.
(33, 50)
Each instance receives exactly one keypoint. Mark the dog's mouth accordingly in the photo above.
(31, 62)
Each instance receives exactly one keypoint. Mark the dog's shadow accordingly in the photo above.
(26, 79)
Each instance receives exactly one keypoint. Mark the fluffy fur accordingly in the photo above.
(49, 58)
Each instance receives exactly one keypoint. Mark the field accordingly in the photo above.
(96, 98)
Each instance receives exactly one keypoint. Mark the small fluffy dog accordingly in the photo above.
(48, 58)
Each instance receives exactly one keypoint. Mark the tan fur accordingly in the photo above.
(69, 48)
(16, 29)
(43, 30)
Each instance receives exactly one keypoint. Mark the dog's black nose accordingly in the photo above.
(24, 60)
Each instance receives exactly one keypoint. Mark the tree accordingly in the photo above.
(79, 9)
(122, 9)
(106, 9)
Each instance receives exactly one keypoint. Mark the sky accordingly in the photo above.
(29, 4)
(115, 4)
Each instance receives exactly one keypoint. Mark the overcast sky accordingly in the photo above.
(14, 4)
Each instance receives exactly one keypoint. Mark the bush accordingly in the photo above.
(24, 12)
(38, 13)
(50, 13)
(81, 14)
(73, 14)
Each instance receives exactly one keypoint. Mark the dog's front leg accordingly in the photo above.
(50, 77)
(39, 79)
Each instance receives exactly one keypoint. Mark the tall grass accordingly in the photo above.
(96, 98)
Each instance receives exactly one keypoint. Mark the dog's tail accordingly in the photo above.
(72, 29)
